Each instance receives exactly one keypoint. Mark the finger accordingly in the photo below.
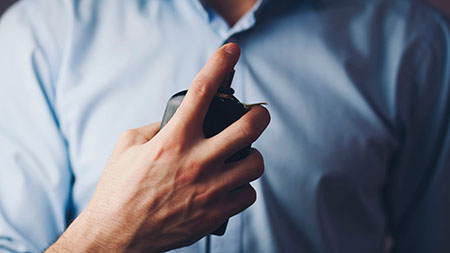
(195, 104)
(240, 134)
(148, 131)
(137, 136)
(232, 204)
(239, 199)
(237, 174)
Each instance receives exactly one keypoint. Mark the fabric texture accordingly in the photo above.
(357, 152)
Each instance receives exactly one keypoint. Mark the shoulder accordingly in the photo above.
(408, 18)
(39, 15)
(400, 30)
(416, 22)
(425, 34)
(31, 26)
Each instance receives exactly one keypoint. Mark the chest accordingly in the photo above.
(322, 123)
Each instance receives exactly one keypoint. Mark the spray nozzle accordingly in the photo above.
(225, 86)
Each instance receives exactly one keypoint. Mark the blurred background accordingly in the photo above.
(444, 5)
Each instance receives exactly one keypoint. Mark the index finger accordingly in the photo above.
(195, 104)
(238, 135)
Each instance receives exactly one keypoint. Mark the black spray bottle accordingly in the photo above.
(223, 111)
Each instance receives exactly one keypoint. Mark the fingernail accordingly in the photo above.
(231, 49)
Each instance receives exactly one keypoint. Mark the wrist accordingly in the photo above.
(87, 234)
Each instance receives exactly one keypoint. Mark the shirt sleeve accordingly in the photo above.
(418, 192)
(35, 175)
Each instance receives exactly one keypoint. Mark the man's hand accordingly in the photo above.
(168, 189)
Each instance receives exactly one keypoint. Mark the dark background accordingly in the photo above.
(4, 4)
(442, 4)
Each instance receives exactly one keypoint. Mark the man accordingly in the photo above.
(356, 156)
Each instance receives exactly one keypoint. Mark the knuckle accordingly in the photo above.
(184, 177)
(198, 200)
(254, 166)
(257, 155)
(128, 134)
(250, 195)
(175, 146)
(253, 196)
(194, 169)
(187, 175)
(259, 162)
(176, 143)
(246, 129)
(265, 115)
(200, 87)
(203, 199)
(215, 219)
(259, 170)
(247, 196)
(128, 137)
(261, 116)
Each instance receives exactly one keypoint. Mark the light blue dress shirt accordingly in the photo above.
(357, 154)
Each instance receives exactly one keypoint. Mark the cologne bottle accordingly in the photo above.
(223, 111)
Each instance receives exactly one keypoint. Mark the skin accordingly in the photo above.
(167, 189)
(230, 10)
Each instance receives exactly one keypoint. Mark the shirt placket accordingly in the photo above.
(232, 240)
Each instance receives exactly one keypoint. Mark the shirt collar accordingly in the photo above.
(221, 27)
